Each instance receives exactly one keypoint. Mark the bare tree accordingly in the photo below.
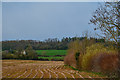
(119, 39)
(106, 19)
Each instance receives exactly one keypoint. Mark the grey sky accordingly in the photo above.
(39, 20)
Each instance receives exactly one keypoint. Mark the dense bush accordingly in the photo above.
(77, 49)
(70, 60)
(80, 46)
(30, 53)
(91, 56)
(106, 63)
(92, 51)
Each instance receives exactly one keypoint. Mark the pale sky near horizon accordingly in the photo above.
(42, 20)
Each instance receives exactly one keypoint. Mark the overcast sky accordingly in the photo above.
(42, 20)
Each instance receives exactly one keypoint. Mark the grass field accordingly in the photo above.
(50, 58)
(51, 52)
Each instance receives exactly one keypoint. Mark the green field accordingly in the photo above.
(50, 58)
(51, 52)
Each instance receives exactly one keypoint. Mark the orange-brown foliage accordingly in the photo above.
(105, 62)
(70, 60)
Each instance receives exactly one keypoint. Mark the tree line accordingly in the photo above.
(48, 44)
(25, 49)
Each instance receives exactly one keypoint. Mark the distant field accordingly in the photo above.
(51, 52)
(50, 58)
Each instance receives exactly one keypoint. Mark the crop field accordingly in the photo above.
(51, 52)
(42, 70)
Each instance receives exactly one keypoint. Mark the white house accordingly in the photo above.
(23, 52)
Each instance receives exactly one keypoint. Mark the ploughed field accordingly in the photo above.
(41, 69)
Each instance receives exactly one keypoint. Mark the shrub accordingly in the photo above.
(30, 53)
(80, 61)
(70, 60)
(106, 63)
(77, 48)
(74, 47)
(77, 58)
(91, 52)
